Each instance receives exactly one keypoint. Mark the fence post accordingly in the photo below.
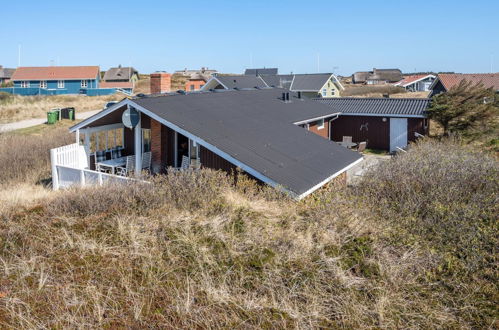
(53, 162)
(82, 177)
(100, 178)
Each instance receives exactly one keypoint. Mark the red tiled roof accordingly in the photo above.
(410, 79)
(116, 84)
(55, 73)
(450, 80)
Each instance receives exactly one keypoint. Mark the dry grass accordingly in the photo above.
(192, 250)
(15, 107)
(26, 158)
(379, 90)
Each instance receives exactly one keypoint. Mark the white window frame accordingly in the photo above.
(333, 91)
(320, 124)
(24, 84)
(43, 84)
(324, 92)
(84, 84)
(60, 83)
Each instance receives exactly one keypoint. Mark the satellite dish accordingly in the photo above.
(130, 117)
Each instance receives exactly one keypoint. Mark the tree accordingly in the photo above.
(464, 107)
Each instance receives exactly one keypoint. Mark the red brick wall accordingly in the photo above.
(195, 83)
(161, 82)
(322, 132)
(156, 164)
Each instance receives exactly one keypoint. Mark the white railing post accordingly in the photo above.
(82, 177)
(100, 178)
(138, 147)
(53, 162)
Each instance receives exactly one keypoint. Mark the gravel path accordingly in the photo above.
(33, 122)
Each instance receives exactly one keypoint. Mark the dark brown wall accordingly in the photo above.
(415, 125)
(374, 131)
(211, 160)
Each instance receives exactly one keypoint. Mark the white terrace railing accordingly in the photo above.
(70, 167)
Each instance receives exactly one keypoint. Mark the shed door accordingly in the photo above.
(398, 133)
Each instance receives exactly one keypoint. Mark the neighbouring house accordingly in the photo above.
(417, 83)
(277, 138)
(384, 123)
(317, 85)
(121, 74)
(52, 80)
(234, 82)
(261, 71)
(5, 75)
(278, 80)
(377, 76)
(309, 85)
(123, 78)
(446, 81)
(196, 79)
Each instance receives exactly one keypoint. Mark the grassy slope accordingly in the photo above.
(14, 107)
(195, 251)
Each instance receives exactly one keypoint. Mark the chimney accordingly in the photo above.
(161, 82)
(287, 97)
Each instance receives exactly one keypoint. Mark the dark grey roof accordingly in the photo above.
(256, 128)
(280, 80)
(261, 71)
(309, 82)
(6, 72)
(241, 82)
(377, 106)
(119, 73)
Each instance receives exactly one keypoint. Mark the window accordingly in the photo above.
(24, 84)
(192, 87)
(84, 83)
(146, 140)
(60, 84)
(320, 124)
(332, 91)
(324, 92)
(201, 86)
(43, 84)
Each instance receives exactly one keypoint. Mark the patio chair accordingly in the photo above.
(347, 139)
(100, 156)
(185, 163)
(362, 146)
(116, 153)
(129, 167)
(146, 160)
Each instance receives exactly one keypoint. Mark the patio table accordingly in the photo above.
(347, 144)
(112, 164)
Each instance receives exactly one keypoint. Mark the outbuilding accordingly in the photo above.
(384, 123)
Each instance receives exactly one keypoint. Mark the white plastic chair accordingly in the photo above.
(129, 167)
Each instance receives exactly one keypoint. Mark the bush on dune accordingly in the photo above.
(442, 196)
(193, 250)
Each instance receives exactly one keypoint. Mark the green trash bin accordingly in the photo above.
(52, 117)
(72, 114)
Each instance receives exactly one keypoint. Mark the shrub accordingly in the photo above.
(443, 197)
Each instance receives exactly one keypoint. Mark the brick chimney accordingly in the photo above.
(161, 82)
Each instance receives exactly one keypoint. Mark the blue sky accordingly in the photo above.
(347, 35)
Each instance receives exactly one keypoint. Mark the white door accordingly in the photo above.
(398, 133)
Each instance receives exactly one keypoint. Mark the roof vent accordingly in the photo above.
(285, 97)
